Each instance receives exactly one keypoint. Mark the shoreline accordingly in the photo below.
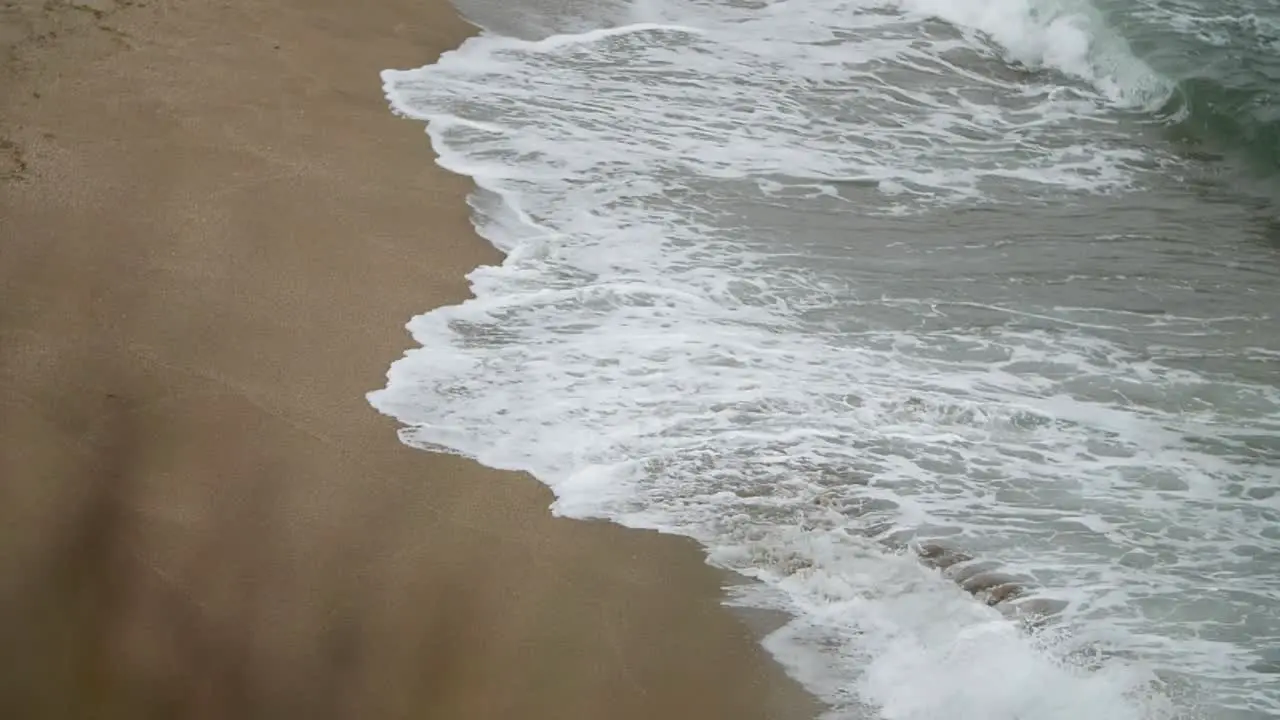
(212, 230)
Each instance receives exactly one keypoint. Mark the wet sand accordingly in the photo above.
(211, 233)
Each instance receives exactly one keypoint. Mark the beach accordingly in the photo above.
(212, 231)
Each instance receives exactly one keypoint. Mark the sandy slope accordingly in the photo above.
(211, 233)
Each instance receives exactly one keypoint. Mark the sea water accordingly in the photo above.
(831, 284)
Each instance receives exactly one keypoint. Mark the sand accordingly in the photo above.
(212, 231)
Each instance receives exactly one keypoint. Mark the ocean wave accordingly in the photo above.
(765, 286)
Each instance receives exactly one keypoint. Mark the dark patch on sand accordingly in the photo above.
(13, 163)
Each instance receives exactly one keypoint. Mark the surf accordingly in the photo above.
(824, 285)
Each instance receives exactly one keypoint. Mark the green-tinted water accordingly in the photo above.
(1223, 58)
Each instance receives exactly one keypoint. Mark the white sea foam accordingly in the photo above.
(1069, 36)
(701, 327)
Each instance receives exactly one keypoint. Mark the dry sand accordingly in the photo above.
(211, 233)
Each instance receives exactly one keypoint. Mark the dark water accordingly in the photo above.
(1223, 58)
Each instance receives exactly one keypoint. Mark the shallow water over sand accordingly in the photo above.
(818, 283)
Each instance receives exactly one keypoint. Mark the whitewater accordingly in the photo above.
(840, 287)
